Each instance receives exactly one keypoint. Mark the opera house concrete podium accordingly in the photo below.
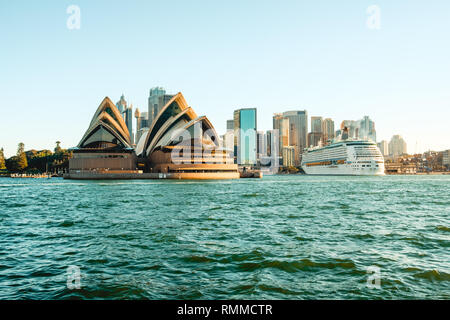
(178, 145)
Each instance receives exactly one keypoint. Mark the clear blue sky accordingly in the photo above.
(224, 55)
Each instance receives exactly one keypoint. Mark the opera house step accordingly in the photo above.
(135, 175)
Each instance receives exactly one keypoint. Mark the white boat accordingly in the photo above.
(344, 157)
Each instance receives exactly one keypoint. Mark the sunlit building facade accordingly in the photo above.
(298, 132)
(397, 146)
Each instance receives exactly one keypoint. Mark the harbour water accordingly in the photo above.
(280, 237)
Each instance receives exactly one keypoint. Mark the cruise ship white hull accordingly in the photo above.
(344, 170)
(349, 157)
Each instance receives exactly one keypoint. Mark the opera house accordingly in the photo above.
(178, 145)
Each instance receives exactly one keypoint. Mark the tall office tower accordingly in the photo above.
(397, 146)
(316, 124)
(128, 117)
(383, 146)
(230, 125)
(245, 136)
(316, 134)
(328, 129)
(260, 145)
(298, 132)
(122, 105)
(281, 124)
(268, 142)
(367, 129)
(156, 101)
(144, 120)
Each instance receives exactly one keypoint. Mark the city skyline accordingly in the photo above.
(276, 58)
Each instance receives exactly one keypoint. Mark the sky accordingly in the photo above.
(321, 56)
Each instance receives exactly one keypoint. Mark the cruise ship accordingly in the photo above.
(344, 157)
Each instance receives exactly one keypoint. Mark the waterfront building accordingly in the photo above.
(384, 148)
(245, 136)
(288, 156)
(185, 145)
(298, 131)
(178, 145)
(106, 146)
(446, 159)
(156, 101)
(328, 129)
(397, 146)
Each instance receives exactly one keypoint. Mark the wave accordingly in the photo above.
(443, 228)
(433, 275)
(301, 265)
(249, 195)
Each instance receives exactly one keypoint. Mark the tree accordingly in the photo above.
(22, 162)
(2, 160)
(58, 147)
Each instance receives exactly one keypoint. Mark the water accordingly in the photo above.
(282, 237)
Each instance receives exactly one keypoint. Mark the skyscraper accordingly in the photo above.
(328, 129)
(384, 148)
(360, 129)
(352, 126)
(316, 134)
(281, 124)
(298, 132)
(230, 125)
(245, 136)
(397, 146)
(156, 101)
(316, 124)
(121, 104)
(260, 145)
(128, 117)
(367, 129)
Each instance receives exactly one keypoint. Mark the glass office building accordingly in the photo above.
(245, 136)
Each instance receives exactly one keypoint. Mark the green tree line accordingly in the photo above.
(34, 161)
